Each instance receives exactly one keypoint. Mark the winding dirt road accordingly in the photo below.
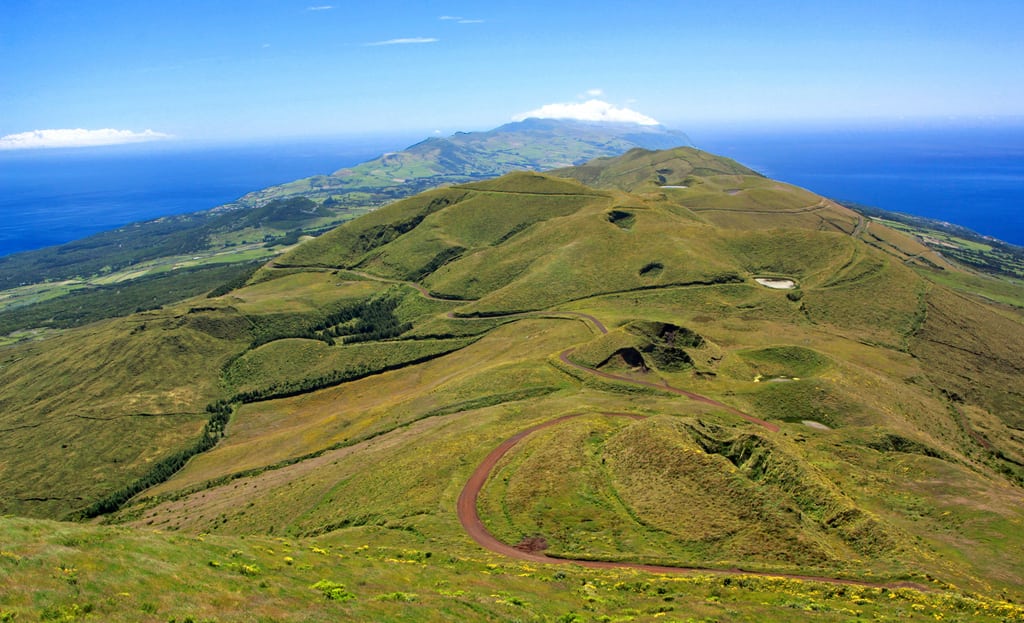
(469, 516)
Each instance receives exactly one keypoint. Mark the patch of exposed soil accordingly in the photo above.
(532, 544)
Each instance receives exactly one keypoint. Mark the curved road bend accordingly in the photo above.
(597, 323)
(471, 522)
(469, 517)
(602, 329)
(564, 357)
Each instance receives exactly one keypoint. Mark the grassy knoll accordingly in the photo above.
(663, 490)
(644, 170)
(301, 292)
(785, 362)
(615, 504)
(542, 267)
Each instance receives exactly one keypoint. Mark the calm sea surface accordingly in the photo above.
(49, 197)
(969, 176)
(973, 177)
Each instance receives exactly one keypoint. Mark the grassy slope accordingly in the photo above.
(912, 481)
(834, 272)
(261, 224)
(981, 253)
(62, 572)
(90, 409)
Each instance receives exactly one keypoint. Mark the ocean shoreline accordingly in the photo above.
(973, 177)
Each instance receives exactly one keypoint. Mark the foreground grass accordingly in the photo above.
(62, 572)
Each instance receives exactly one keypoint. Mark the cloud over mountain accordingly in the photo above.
(37, 139)
(590, 110)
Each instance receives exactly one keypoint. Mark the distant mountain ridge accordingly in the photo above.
(533, 144)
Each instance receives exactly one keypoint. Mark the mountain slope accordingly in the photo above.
(264, 223)
(532, 144)
(658, 396)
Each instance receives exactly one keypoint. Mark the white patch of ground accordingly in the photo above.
(778, 284)
(777, 379)
(813, 424)
(675, 186)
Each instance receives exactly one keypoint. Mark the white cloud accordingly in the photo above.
(405, 40)
(37, 139)
(322, 7)
(590, 110)
(460, 20)
(595, 92)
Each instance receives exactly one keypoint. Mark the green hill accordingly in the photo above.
(532, 144)
(159, 262)
(502, 399)
(256, 225)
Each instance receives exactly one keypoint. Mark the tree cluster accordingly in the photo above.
(220, 413)
(364, 321)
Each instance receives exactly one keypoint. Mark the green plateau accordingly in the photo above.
(654, 386)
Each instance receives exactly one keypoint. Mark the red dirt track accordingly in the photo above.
(471, 522)
(469, 516)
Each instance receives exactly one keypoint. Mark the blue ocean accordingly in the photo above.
(53, 196)
(969, 176)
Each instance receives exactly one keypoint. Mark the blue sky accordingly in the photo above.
(220, 69)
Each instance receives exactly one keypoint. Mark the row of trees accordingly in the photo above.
(220, 413)
(360, 322)
(284, 389)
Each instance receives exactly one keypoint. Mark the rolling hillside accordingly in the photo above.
(255, 224)
(656, 385)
